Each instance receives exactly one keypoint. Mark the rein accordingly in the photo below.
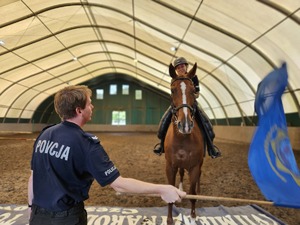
(175, 109)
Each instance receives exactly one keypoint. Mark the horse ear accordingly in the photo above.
(192, 72)
(172, 71)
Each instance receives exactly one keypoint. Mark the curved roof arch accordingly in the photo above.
(46, 45)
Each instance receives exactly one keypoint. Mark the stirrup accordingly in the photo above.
(158, 149)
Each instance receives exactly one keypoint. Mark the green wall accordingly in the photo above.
(147, 111)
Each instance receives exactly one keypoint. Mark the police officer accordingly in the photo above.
(66, 160)
(181, 68)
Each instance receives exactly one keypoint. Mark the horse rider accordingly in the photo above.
(181, 67)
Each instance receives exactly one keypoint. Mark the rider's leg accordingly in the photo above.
(162, 130)
(201, 117)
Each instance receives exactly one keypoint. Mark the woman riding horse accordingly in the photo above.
(181, 66)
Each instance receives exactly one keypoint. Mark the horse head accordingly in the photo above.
(183, 99)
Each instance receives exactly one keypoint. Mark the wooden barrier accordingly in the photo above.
(240, 134)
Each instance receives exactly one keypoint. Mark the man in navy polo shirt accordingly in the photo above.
(66, 160)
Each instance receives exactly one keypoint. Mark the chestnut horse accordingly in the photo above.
(184, 142)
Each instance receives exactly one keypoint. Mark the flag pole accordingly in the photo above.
(214, 198)
(209, 198)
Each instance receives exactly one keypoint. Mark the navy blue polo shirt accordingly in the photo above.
(65, 161)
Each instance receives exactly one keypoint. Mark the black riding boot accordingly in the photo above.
(162, 130)
(212, 150)
(159, 148)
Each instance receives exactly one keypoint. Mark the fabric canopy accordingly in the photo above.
(48, 44)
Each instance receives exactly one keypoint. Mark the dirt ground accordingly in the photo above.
(228, 176)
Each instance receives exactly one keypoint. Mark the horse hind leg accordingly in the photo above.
(181, 173)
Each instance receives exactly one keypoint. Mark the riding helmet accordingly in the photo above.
(179, 61)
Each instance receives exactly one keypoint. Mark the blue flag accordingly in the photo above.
(271, 159)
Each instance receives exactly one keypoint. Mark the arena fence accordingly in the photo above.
(242, 134)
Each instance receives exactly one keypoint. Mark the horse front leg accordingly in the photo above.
(193, 201)
(198, 182)
(170, 215)
(194, 181)
(171, 175)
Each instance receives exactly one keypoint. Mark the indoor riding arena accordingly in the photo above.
(228, 176)
(245, 55)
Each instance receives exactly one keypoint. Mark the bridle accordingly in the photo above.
(191, 108)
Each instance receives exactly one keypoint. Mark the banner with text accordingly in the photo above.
(221, 215)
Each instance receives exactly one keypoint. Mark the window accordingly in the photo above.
(138, 94)
(113, 89)
(125, 89)
(99, 94)
(118, 118)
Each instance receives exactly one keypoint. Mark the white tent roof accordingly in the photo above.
(48, 44)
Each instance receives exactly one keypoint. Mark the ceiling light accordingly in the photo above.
(2, 43)
(173, 49)
(75, 58)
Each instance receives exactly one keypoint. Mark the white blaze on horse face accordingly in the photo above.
(185, 110)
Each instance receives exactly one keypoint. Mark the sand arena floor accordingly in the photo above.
(228, 176)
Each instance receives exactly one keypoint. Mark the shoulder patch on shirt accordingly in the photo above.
(91, 137)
